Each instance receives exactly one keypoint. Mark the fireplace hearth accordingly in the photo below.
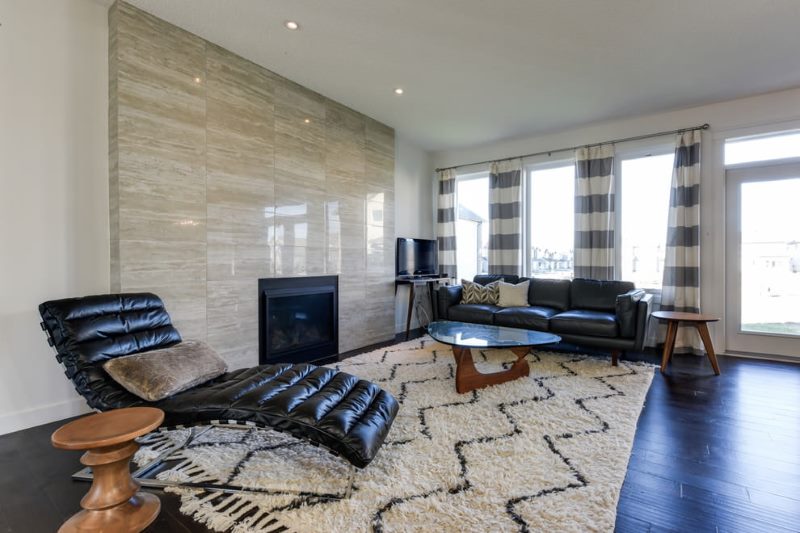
(298, 319)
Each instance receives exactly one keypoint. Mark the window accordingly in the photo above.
(770, 256)
(551, 198)
(644, 186)
(472, 225)
(762, 148)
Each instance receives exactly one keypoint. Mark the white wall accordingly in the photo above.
(773, 111)
(413, 195)
(413, 201)
(53, 190)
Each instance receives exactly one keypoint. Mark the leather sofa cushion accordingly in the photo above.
(525, 317)
(158, 374)
(549, 293)
(477, 313)
(585, 322)
(597, 295)
(484, 279)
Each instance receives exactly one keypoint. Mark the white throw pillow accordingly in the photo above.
(514, 295)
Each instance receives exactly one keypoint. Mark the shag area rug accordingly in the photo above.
(544, 453)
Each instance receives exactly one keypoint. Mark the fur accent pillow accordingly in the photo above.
(157, 374)
(513, 295)
(475, 293)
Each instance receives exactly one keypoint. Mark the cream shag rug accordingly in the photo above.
(543, 453)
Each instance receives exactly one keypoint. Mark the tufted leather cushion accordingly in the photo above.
(338, 410)
(346, 414)
(585, 322)
(597, 295)
(89, 331)
(478, 313)
(525, 317)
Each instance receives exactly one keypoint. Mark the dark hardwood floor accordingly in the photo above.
(711, 454)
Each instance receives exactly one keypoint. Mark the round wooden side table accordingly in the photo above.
(699, 321)
(113, 503)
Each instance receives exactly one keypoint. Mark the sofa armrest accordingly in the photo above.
(447, 296)
(626, 310)
(643, 309)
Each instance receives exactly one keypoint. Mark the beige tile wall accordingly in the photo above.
(222, 172)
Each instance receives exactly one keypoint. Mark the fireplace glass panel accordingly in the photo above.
(299, 321)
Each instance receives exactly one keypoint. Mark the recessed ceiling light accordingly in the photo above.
(398, 91)
(307, 121)
(197, 79)
(291, 25)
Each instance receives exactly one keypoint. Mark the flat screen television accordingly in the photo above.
(416, 257)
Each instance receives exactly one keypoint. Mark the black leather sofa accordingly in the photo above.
(610, 315)
(346, 415)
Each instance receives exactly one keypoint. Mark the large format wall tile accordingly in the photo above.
(113, 149)
(379, 185)
(233, 321)
(160, 231)
(222, 172)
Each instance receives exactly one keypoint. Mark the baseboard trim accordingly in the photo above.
(36, 416)
(764, 357)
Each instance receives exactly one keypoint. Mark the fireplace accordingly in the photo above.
(298, 319)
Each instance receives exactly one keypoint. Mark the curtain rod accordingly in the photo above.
(573, 148)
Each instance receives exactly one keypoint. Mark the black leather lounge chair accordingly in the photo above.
(347, 415)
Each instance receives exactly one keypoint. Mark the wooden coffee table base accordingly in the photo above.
(468, 378)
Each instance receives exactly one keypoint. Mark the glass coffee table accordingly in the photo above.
(463, 336)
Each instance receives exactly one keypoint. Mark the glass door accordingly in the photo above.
(763, 260)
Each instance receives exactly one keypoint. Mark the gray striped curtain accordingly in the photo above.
(594, 212)
(505, 217)
(680, 290)
(446, 222)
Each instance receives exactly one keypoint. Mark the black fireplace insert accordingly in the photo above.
(298, 319)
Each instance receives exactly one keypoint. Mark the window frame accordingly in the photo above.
(754, 134)
(468, 176)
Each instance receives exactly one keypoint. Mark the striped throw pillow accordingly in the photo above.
(475, 293)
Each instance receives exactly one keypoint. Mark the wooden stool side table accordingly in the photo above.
(113, 502)
(699, 321)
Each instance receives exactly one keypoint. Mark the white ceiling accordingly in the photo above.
(475, 71)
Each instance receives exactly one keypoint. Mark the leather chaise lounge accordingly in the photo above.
(347, 415)
(609, 315)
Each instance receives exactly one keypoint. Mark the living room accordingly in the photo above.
(578, 173)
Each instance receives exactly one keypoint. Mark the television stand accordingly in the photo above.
(421, 281)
